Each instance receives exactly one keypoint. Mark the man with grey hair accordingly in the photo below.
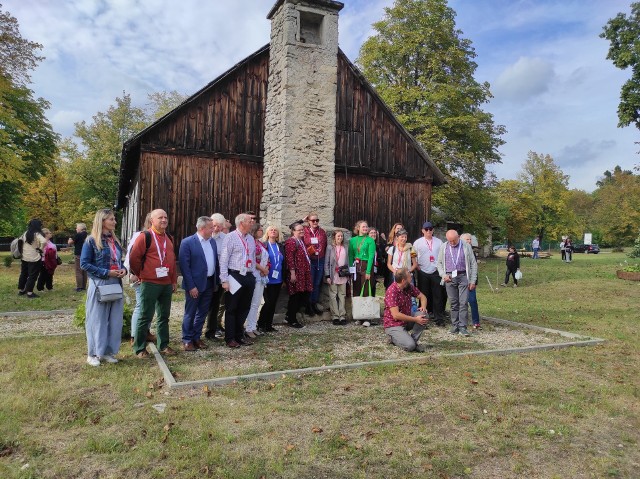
(237, 264)
(458, 268)
(214, 328)
(403, 329)
(199, 266)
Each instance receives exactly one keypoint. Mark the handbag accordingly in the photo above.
(365, 307)
(109, 292)
(343, 271)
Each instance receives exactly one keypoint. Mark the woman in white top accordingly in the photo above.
(262, 277)
(337, 255)
(32, 249)
(402, 255)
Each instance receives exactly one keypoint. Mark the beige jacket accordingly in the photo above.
(30, 252)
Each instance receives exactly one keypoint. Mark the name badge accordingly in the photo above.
(454, 273)
(243, 270)
(352, 269)
(432, 259)
(249, 263)
(375, 269)
(275, 274)
(162, 272)
(314, 240)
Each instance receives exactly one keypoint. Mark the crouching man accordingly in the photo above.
(403, 329)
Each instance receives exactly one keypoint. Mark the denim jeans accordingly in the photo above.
(473, 304)
(317, 273)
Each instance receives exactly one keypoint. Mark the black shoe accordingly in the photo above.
(271, 329)
(245, 342)
(316, 310)
(309, 312)
(343, 322)
(21, 293)
(336, 322)
(209, 335)
(32, 295)
(78, 290)
(295, 325)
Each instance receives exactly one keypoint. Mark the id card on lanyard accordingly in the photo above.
(247, 261)
(275, 274)
(454, 269)
(162, 271)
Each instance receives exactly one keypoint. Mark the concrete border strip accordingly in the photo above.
(36, 313)
(272, 375)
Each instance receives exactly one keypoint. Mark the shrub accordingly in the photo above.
(635, 252)
(617, 249)
(81, 312)
(8, 260)
(632, 268)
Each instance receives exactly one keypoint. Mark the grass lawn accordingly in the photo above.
(556, 414)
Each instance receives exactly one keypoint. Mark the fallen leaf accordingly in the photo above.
(343, 437)
(149, 394)
(207, 390)
(316, 430)
(467, 374)
(290, 447)
(465, 417)
(389, 453)
(167, 426)
(474, 381)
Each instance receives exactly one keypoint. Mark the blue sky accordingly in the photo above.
(553, 88)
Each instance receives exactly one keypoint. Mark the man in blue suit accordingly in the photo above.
(200, 272)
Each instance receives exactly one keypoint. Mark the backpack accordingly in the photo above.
(16, 247)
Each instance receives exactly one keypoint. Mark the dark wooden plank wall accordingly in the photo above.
(187, 187)
(382, 202)
(227, 118)
(367, 138)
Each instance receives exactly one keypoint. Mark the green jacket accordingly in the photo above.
(363, 248)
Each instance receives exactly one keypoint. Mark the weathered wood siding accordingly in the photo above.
(382, 202)
(227, 118)
(368, 138)
(187, 187)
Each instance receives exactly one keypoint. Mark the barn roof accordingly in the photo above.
(130, 159)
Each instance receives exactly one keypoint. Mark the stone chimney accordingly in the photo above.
(300, 123)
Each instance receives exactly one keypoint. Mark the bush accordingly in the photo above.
(81, 313)
(8, 260)
(617, 249)
(635, 252)
(634, 268)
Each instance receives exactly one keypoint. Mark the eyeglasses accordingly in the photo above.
(314, 221)
(428, 229)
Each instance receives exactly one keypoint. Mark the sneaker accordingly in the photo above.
(109, 358)
(219, 334)
(32, 295)
(366, 324)
(21, 293)
(336, 322)
(93, 361)
(453, 330)
(464, 332)
(504, 284)
(250, 334)
(515, 285)
(477, 326)
(258, 332)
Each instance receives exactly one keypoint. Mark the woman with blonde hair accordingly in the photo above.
(272, 239)
(101, 258)
(362, 253)
(336, 259)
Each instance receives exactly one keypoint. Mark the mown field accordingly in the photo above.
(566, 413)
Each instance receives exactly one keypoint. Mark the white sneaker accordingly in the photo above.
(366, 324)
(93, 361)
(109, 359)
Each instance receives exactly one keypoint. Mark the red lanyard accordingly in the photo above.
(338, 254)
(400, 255)
(161, 254)
(429, 245)
(114, 253)
(244, 243)
(301, 244)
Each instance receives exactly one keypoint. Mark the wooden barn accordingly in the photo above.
(208, 154)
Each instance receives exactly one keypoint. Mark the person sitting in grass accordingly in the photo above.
(403, 329)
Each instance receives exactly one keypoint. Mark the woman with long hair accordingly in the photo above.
(362, 252)
(335, 258)
(32, 251)
(391, 242)
(102, 259)
(49, 263)
(262, 277)
(402, 255)
(275, 251)
(380, 262)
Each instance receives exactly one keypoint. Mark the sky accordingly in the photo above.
(554, 90)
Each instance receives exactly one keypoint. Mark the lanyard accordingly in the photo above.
(161, 254)
(361, 242)
(301, 244)
(455, 261)
(429, 245)
(112, 247)
(276, 255)
(244, 244)
(400, 255)
(338, 248)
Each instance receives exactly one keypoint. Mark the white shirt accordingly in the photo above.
(208, 255)
(425, 251)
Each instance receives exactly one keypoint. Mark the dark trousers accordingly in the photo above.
(270, 295)
(360, 284)
(317, 273)
(195, 313)
(44, 279)
(29, 271)
(429, 285)
(216, 310)
(237, 307)
(296, 301)
(510, 272)
(81, 275)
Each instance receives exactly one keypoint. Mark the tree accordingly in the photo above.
(95, 169)
(512, 209)
(423, 69)
(161, 103)
(546, 191)
(27, 141)
(623, 33)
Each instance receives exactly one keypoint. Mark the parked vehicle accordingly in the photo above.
(500, 246)
(586, 248)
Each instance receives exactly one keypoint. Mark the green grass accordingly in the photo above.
(553, 414)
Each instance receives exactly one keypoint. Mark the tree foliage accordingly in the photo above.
(27, 141)
(623, 33)
(161, 103)
(423, 69)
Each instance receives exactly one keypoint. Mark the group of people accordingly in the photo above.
(40, 259)
(229, 274)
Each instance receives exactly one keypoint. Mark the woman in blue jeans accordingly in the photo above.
(471, 294)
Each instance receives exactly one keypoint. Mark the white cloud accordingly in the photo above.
(524, 80)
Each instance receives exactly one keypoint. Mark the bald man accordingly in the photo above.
(459, 270)
(153, 261)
